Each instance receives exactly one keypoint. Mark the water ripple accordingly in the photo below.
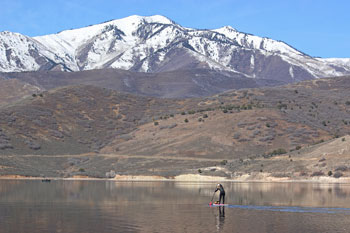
(294, 209)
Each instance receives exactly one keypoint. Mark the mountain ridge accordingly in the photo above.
(157, 44)
(171, 84)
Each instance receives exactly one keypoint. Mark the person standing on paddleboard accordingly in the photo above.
(220, 188)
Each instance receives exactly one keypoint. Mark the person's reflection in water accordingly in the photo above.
(220, 220)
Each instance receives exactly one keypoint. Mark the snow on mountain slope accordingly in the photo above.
(22, 53)
(95, 46)
(344, 63)
(316, 66)
(14, 46)
(255, 42)
(155, 44)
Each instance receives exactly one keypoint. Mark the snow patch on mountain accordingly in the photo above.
(342, 62)
(291, 71)
(252, 62)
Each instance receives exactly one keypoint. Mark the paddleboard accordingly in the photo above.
(218, 204)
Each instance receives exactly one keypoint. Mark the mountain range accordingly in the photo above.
(157, 44)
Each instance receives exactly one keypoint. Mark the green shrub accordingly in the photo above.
(320, 141)
(81, 170)
(317, 173)
(280, 106)
(199, 171)
(205, 116)
(337, 174)
(223, 162)
(156, 123)
(279, 151)
(186, 120)
(342, 168)
(243, 107)
(297, 147)
(183, 113)
(330, 173)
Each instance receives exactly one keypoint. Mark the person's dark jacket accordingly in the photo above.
(221, 189)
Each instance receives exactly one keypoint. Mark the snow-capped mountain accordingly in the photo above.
(155, 44)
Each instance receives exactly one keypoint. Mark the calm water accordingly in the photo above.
(104, 206)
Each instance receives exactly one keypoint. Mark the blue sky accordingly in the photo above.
(316, 27)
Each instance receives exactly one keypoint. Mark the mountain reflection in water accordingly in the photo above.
(108, 206)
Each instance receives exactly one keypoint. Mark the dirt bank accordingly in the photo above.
(195, 178)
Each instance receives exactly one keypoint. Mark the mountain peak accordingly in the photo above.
(136, 19)
(228, 28)
(158, 19)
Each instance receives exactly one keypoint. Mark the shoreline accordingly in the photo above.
(187, 178)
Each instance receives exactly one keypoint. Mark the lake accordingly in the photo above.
(108, 206)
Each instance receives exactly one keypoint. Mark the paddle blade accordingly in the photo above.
(210, 203)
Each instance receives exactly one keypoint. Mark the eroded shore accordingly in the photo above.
(192, 178)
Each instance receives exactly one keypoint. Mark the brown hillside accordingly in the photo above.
(221, 135)
(13, 90)
(255, 130)
(74, 119)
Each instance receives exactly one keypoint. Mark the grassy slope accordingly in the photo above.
(118, 131)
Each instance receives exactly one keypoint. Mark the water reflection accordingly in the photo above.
(107, 206)
(291, 194)
(100, 192)
(220, 219)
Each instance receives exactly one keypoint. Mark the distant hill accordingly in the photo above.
(172, 84)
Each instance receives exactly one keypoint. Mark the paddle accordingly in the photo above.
(210, 203)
